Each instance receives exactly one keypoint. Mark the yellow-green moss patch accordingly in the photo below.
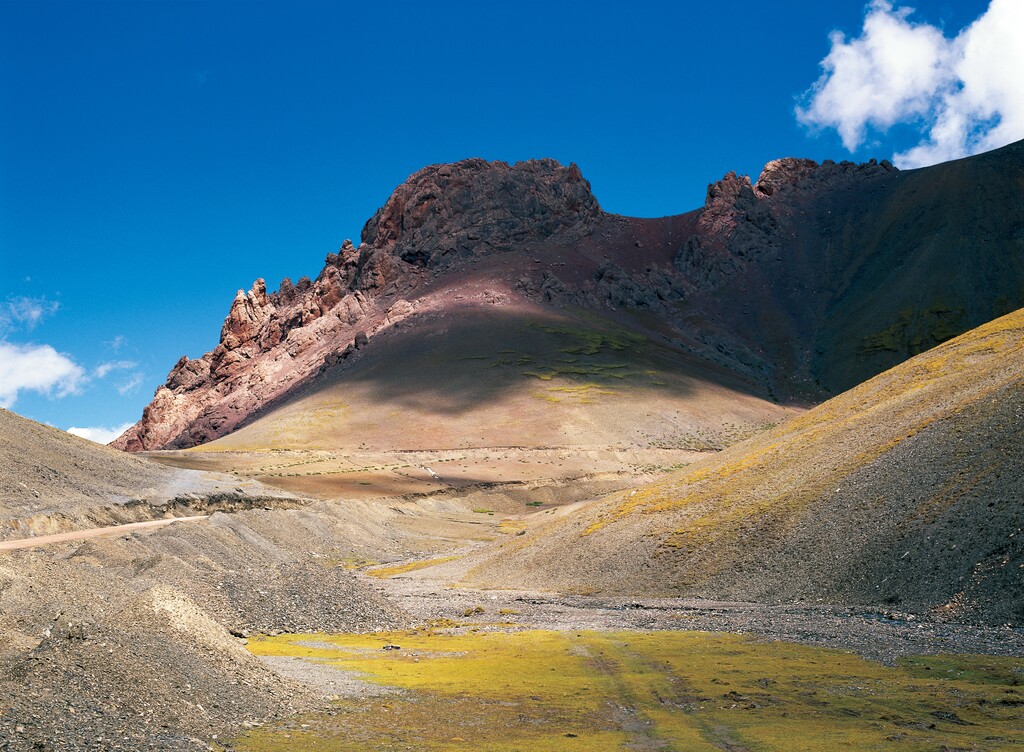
(410, 566)
(542, 690)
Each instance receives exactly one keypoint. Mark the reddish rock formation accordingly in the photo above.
(272, 343)
(806, 282)
(475, 207)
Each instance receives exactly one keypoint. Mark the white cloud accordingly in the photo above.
(26, 312)
(114, 365)
(130, 384)
(98, 434)
(116, 343)
(37, 368)
(966, 93)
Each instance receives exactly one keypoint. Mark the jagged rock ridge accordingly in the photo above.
(803, 283)
(271, 343)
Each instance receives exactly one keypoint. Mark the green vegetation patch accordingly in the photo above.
(584, 340)
(543, 690)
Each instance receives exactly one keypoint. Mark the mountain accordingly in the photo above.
(780, 292)
(903, 492)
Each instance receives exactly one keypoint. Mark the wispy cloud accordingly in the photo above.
(116, 343)
(99, 434)
(966, 93)
(113, 365)
(25, 313)
(132, 383)
(37, 368)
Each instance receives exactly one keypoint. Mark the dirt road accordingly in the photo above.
(43, 540)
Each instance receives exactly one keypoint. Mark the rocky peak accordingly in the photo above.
(273, 342)
(248, 313)
(730, 202)
(728, 189)
(269, 343)
(741, 221)
(473, 207)
(781, 175)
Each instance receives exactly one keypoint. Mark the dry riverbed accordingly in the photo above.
(508, 670)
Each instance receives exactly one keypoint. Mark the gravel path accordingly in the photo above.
(96, 532)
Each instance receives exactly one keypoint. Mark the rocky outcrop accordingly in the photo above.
(268, 345)
(784, 175)
(271, 343)
(474, 207)
(743, 222)
(648, 288)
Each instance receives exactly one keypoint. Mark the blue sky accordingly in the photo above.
(157, 156)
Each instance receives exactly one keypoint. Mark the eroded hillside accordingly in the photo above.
(902, 491)
(51, 482)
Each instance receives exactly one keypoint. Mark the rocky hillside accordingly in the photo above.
(270, 344)
(789, 289)
(51, 481)
(134, 642)
(902, 493)
(39, 463)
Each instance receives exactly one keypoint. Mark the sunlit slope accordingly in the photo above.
(905, 491)
(523, 378)
(43, 468)
(53, 482)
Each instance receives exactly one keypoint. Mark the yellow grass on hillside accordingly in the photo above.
(780, 471)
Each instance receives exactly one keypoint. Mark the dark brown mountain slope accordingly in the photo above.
(904, 493)
(787, 290)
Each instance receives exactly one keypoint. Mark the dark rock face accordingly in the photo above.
(472, 207)
(743, 222)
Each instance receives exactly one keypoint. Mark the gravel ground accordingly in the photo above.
(326, 681)
(878, 634)
(53, 482)
(137, 642)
